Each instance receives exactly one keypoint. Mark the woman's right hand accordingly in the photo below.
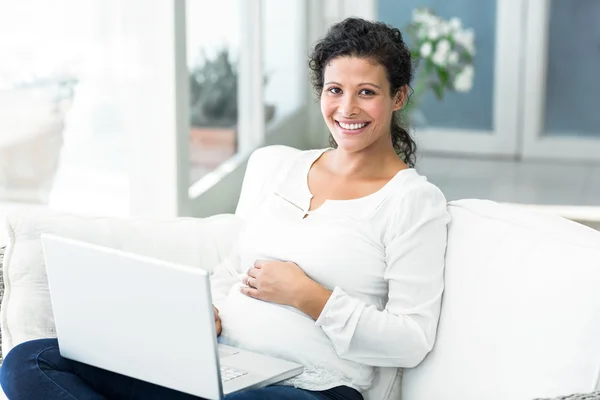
(217, 320)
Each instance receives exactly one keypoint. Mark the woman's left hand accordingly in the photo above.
(276, 282)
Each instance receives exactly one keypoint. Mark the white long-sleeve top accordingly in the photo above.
(382, 256)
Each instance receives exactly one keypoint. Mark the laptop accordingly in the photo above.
(149, 319)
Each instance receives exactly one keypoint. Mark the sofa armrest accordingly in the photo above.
(26, 312)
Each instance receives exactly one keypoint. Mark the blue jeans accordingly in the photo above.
(35, 370)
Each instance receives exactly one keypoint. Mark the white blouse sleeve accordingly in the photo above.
(403, 332)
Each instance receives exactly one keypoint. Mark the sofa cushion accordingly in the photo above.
(521, 310)
(26, 308)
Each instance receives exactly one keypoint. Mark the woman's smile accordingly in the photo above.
(351, 127)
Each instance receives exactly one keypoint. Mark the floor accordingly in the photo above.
(540, 183)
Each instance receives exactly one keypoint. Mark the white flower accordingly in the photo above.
(444, 28)
(464, 80)
(425, 18)
(443, 46)
(422, 33)
(433, 33)
(453, 58)
(420, 14)
(442, 50)
(455, 24)
(466, 39)
(425, 49)
(440, 57)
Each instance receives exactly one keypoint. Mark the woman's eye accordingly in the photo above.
(367, 92)
(334, 90)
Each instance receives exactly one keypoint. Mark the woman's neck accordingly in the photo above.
(368, 163)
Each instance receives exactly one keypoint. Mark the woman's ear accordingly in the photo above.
(401, 98)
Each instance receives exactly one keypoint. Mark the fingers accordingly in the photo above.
(251, 277)
(249, 281)
(218, 327)
(253, 272)
(250, 292)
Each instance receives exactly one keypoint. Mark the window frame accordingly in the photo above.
(160, 182)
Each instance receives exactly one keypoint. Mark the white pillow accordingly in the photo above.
(26, 307)
(521, 310)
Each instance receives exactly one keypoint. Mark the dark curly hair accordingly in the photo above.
(377, 41)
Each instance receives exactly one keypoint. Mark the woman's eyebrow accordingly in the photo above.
(360, 84)
(371, 84)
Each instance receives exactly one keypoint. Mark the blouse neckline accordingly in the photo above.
(374, 197)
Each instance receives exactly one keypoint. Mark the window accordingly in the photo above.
(285, 58)
(125, 107)
(62, 112)
(212, 56)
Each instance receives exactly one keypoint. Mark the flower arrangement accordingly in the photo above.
(445, 51)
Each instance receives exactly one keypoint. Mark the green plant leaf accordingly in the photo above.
(443, 75)
(438, 90)
(429, 66)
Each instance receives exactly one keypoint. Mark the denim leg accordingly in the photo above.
(35, 370)
(278, 392)
(275, 392)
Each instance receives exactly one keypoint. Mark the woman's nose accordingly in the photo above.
(348, 106)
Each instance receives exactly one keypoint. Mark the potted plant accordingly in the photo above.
(214, 109)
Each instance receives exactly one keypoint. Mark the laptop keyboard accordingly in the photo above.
(229, 373)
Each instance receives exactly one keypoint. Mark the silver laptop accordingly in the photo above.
(148, 319)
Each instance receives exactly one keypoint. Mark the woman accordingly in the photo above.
(342, 260)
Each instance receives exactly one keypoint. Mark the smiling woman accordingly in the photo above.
(363, 84)
(340, 263)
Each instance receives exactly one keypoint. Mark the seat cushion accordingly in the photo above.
(521, 310)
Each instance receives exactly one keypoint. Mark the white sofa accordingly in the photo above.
(520, 314)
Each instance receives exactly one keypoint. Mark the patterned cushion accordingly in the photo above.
(2, 248)
(588, 396)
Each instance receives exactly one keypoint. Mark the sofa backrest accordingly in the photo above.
(26, 308)
(521, 309)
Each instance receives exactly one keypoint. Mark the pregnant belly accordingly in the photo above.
(272, 329)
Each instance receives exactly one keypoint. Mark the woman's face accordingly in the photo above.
(356, 103)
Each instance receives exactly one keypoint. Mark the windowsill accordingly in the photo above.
(212, 178)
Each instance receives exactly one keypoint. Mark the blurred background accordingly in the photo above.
(152, 107)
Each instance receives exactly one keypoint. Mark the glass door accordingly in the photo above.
(561, 85)
(483, 121)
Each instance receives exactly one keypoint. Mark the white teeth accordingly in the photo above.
(352, 126)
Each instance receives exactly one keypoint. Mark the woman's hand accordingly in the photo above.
(275, 281)
(217, 320)
(285, 283)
